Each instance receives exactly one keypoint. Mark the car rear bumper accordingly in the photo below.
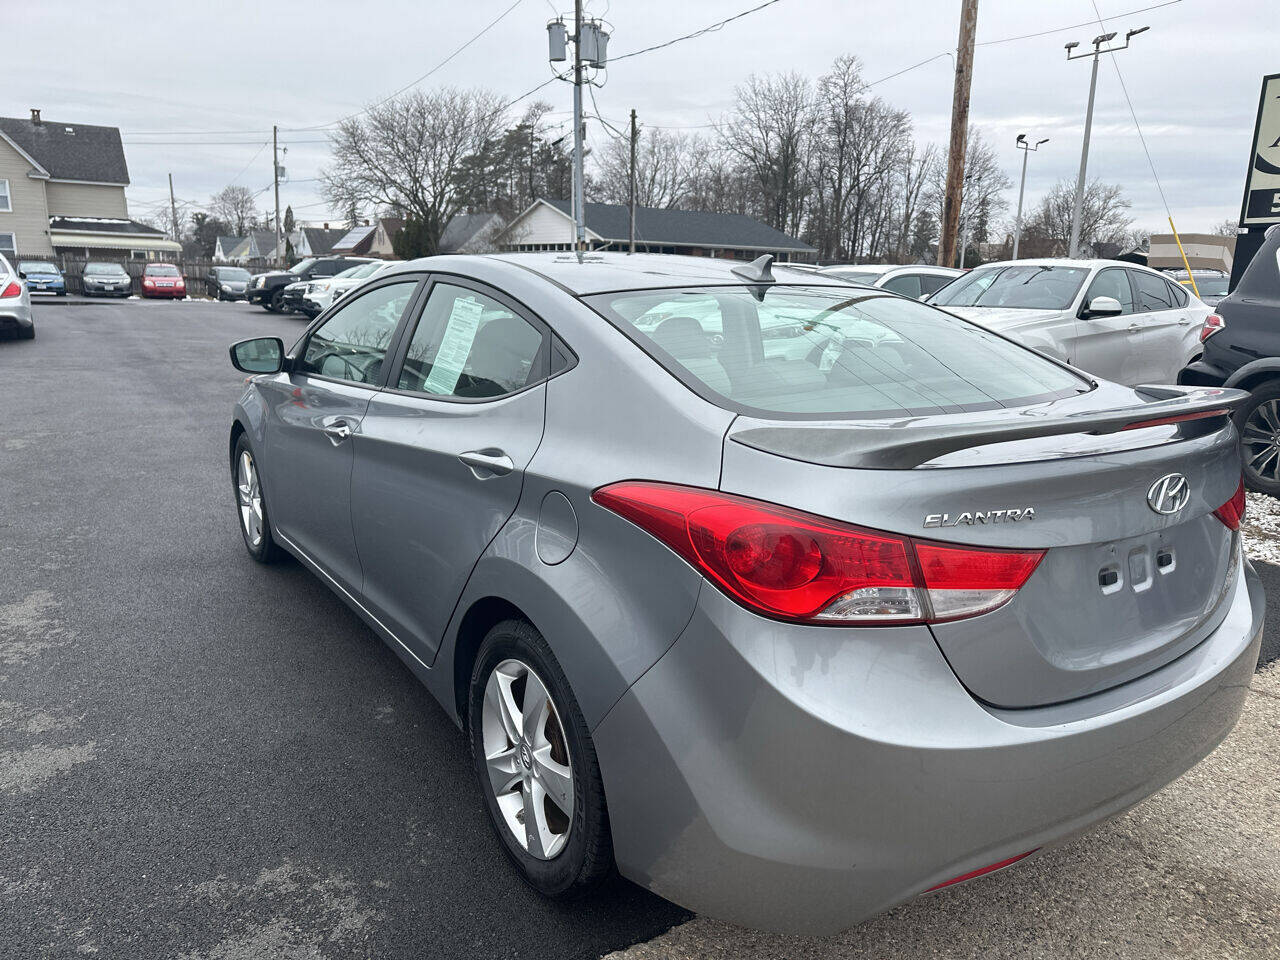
(1200, 374)
(803, 779)
(15, 318)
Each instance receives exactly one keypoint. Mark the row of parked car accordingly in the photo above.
(104, 278)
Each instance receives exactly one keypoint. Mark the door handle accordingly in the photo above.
(486, 463)
(1134, 328)
(1184, 322)
(337, 429)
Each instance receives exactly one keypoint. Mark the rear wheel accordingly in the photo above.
(251, 505)
(1258, 421)
(536, 764)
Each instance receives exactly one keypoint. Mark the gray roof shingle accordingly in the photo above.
(70, 151)
(684, 227)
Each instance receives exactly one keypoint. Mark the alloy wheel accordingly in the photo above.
(527, 759)
(1261, 440)
(249, 497)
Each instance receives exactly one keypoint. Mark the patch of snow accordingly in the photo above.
(1261, 528)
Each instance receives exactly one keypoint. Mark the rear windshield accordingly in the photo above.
(823, 352)
(868, 277)
(161, 270)
(1025, 286)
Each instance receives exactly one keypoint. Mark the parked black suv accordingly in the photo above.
(1242, 349)
(267, 289)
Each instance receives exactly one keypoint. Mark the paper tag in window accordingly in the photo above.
(455, 347)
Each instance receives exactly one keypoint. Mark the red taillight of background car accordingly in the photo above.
(791, 565)
(12, 289)
(1212, 324)
(1232, 512)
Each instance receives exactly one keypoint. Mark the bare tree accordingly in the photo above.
(770, 133)
(1227, 228)
(984, 186)
(664, 173)
(410, 154)
(1104, 216)
(235, 206)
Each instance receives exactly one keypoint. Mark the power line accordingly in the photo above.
(1133, 113)
(492, 23)
(697, 33)
(1077, 26)
(936, 56)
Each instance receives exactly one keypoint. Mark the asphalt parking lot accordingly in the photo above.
(203, 758)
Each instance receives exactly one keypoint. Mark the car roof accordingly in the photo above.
(602, 271)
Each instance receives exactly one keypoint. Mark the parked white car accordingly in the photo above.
(917, 281)
(320, 294)
(1120, 321)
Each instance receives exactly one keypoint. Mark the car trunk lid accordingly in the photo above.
(1122, 589)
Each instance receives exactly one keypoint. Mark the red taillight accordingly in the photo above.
(795, 566)
(1176, 418)
(13, 289)
(981, 871)
(1232, 512)
(1212, 324)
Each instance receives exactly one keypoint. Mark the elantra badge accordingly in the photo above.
(1169, 494)
(970, 517)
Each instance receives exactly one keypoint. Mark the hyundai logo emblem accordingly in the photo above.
(1169, 494)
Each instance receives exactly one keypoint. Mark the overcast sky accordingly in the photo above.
(164, 73)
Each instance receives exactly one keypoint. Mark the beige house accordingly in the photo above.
(62, 191)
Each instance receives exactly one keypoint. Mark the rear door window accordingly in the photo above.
(468, 345)
(931, 283)
(906, 284)
(1154, 293)
(825, 352)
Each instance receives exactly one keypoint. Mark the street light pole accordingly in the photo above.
(1025, 146)
(1098, 50)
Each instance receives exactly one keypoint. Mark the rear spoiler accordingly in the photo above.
(902, 444)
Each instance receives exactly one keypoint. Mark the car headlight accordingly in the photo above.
(322, 287)
(226, 288)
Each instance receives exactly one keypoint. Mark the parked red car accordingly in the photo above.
(163, 280)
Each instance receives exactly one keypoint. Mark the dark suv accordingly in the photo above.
(1242, 349)
(267, 289)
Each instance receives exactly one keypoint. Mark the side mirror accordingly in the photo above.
(1103, 307)
(259, 355)
(21, 275)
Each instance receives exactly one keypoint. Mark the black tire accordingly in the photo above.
(27, 333)
(1265, 393)
(266, 550)
(276, 303)
(587, 856)
(62, 293)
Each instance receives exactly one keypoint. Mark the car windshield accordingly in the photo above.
(362, 271)
(1026, 286)
(303, 265)
(162, 270)
(233, 273)
(37, 266)
(1211, 286)
(100, 269)
(823, 351)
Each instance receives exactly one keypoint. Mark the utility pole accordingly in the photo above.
(579, 202)
(959, 132)
(634, 136)
(275, 177)
(1025, 146)
(173, 211)
(1098, 50)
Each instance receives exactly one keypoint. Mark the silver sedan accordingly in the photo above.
(15, 304)
(788, 598)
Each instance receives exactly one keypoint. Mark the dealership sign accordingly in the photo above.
(1262, 184)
